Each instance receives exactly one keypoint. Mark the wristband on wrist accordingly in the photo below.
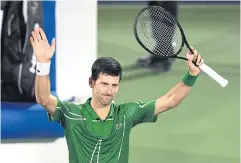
(189, 80)
(43, 69)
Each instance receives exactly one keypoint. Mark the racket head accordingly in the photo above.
(158, 32)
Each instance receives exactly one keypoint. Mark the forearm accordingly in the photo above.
(178, 93)
(42, 88)
(42, 83)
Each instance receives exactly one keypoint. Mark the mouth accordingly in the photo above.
(107, 96)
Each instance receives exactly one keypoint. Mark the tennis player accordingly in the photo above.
(98, 130)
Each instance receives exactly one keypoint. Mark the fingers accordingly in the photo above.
(36, 30)
(53, 45)
(42, 34)
(37, 35)
(202, 61)
(197, 58)
(190, 53)
(32, 42)
(194, 57)
(34, 36)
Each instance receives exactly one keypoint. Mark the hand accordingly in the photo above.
(194, 70)
(42, 50)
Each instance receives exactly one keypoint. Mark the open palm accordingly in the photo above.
(42, 50)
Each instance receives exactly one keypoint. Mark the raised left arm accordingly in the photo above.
(173, 98)
(178, 93)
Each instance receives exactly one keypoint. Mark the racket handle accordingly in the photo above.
(215, 76)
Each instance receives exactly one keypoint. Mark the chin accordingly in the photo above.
(106, 102)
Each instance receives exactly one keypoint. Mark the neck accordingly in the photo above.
(96, 105)
(101, 110)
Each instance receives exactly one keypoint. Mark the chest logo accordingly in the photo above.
(118, 126)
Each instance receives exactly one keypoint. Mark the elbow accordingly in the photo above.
(165, 103)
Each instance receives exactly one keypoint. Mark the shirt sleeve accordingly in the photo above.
(64, 112)
(141, 112)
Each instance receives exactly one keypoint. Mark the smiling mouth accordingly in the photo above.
(107, 96)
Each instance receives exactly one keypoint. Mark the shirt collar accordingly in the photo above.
(94, 115)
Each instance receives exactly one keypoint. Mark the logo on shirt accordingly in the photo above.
(118, 126)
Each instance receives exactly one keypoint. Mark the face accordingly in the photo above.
(105, 88)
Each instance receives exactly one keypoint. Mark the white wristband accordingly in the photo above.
(43, 69)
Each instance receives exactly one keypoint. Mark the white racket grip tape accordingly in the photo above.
(215, 76)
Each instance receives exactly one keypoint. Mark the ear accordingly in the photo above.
(90, 82)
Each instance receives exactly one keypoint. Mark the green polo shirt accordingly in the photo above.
(92, 140)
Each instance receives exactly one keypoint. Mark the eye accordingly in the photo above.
(105, 84)
(115, 85)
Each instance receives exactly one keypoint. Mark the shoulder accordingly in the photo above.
(126, 106)
(70, 106)
(140, 104)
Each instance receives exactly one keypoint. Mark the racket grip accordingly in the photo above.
(215, 76)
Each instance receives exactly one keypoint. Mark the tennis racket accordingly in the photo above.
(160, 34)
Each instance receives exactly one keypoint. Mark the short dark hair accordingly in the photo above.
(107, 66)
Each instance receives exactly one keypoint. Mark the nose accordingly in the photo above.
(109, 90)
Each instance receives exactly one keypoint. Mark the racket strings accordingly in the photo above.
(158, 31)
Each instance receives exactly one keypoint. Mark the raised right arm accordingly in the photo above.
(43, 52)
(42, 93)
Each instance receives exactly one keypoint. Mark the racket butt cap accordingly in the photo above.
(224, 83)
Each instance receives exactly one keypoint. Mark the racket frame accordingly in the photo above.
(184, 40)
(205, 68)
